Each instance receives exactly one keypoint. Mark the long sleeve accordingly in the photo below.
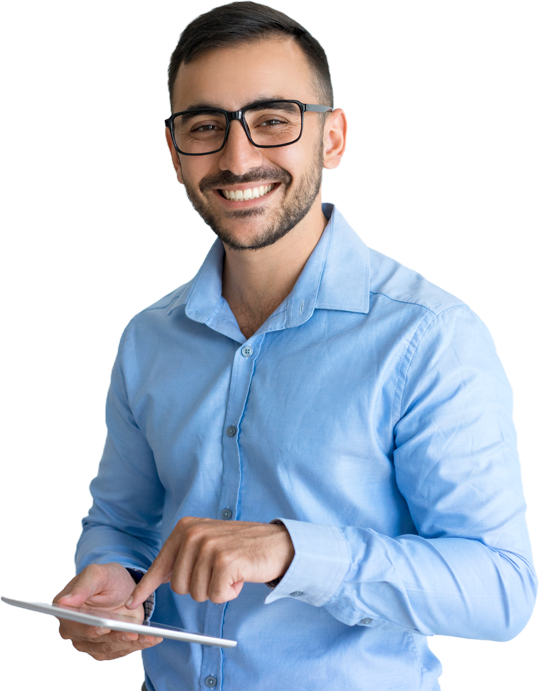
(468, 572)
(123, 524)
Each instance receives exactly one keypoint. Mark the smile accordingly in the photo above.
(245, 195)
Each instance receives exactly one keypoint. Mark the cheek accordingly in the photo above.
(299, 158)
(192, 170)
(289, 158)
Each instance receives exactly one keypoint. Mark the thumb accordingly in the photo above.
(80, 589)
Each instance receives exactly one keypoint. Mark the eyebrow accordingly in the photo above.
(212, 107)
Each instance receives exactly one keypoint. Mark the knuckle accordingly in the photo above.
(184, 521)
(223, 560)
(95, 570)
(210, 542)
(130, 641)
(220, 594)
(194, 531)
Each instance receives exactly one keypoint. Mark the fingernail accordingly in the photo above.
(129, 602)
(101, 632)
(144, 639)
(64, 597)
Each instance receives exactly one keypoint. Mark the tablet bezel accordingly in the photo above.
(119, 623)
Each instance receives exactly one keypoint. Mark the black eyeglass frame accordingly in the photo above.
(240, 115)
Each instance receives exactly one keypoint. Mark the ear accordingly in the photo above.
(334, 138)
(174, 155)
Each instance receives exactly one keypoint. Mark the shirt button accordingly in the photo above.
(366, 621)
(296, 593)
(211, 681)
(231, 431)
(226, 514)
(246, 351)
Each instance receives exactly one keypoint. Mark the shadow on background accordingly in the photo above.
(50, 370)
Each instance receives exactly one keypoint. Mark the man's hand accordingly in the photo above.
(211, 559)
(105, 587)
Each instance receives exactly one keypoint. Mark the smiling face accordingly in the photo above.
(249, 196)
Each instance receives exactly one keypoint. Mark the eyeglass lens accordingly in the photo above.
(274, 124)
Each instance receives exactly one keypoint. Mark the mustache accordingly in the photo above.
(225, 178)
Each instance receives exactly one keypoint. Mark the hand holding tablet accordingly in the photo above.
(93, 616)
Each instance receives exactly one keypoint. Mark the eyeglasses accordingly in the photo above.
(267, 125)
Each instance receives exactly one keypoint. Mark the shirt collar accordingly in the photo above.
(335, 277)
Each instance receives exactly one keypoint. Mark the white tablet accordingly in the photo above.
(119, 622)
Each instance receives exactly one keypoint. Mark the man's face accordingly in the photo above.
(231, 78)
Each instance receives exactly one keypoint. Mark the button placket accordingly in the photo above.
(240, 384)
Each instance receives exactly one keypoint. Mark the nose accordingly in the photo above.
(239, 155)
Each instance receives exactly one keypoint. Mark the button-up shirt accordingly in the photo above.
(371, 415)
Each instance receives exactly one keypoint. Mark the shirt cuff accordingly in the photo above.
(319, 566)
(149, 604)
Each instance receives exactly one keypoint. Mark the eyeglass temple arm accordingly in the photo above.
(317, 108)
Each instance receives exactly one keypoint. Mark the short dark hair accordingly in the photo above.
(243, 22)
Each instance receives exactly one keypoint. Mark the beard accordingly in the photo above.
(280, 222)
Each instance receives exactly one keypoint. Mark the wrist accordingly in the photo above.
(288, 559)
(135, 574)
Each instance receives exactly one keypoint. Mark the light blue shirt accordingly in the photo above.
(371, 414)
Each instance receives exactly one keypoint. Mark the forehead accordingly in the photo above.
(230, 78)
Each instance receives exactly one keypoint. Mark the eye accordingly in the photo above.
(205, 128)
(272, 122)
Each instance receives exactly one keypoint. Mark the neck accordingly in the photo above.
(255, 281)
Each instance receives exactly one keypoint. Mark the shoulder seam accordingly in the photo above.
(456, 302)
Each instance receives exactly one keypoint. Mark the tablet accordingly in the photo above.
(120, 622)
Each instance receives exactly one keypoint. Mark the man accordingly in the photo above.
(310, 447)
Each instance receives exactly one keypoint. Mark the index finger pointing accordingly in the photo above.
(158, 573)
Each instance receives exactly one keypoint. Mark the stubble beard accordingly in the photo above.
(280, 222)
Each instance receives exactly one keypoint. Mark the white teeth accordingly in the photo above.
(251, 193)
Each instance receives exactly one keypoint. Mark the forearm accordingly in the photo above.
(104, 544)
(450, 586)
